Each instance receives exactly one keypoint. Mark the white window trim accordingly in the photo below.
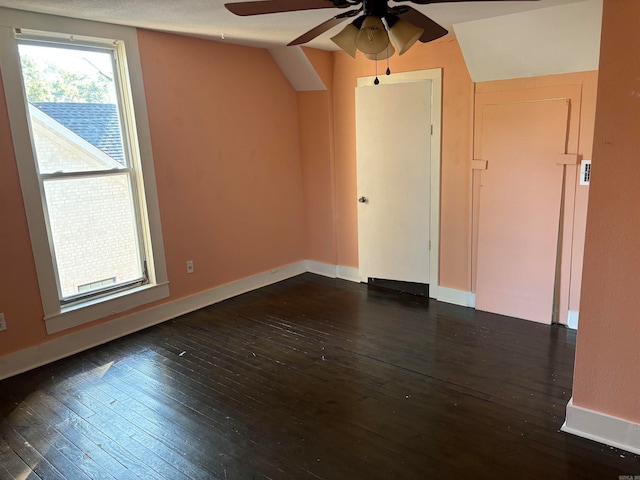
(59, 318)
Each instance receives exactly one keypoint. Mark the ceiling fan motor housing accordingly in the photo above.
(376, 8)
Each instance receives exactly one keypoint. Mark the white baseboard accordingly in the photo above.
(457, 297)
(62, 347)
(572, 319)
(602, 428)
(332, 271)
(349, 273)
(319, 268)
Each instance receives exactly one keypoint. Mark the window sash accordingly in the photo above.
(125, 134)
(124, 220)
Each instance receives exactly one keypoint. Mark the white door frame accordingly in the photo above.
(435, 76)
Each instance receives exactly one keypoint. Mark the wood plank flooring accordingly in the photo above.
(311, 378)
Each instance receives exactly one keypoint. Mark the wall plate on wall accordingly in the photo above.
(585, 172)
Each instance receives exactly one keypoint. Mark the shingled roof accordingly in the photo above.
(97, 123)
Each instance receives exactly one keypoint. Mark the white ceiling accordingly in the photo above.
(209, 18)
(511, 46)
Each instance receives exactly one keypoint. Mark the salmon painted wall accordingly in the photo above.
(580, 89)
(457, 204)
(314, 114)
(457, 117)
(606, 377)
(229, 181)
(315, 117)
(19, 291)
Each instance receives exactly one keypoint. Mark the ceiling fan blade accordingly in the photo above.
(432, 30)
(323, 27)
(427, 2)
(262, 7)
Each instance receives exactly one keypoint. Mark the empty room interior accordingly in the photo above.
(226, 253)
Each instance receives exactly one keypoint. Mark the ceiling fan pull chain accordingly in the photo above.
(388, 72)
(376, 81)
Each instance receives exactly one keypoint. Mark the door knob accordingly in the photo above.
(363, 200)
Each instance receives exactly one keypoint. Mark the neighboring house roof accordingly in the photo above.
(97, 123)
(81, 154)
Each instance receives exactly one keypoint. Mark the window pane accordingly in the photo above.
(73, 108)
(94, 233)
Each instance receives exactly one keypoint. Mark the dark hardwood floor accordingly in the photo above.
(306, 379)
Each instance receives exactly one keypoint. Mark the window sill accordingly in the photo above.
(75, 315)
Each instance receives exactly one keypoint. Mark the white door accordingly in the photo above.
(393, 135)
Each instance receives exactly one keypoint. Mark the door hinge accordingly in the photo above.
(431, 129)
(429, 244)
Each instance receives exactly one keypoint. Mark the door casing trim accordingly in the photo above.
(435, 76)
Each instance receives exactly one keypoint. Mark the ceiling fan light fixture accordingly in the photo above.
(372, 37)
(386, 53)
(346, 39)
(404, 35)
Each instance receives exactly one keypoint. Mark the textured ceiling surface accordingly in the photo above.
(209, 18)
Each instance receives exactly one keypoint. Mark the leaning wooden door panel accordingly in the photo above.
(520, 201)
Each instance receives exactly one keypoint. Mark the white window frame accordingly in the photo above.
(58, 318)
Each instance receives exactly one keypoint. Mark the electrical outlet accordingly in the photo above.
(3, 323)
(189, 266)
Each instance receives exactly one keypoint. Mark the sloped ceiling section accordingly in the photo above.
(547, 41)
(297, 68)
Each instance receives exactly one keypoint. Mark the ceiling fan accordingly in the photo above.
(376, 24)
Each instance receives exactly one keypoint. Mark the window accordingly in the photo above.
(85, 170)
(80, 133)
